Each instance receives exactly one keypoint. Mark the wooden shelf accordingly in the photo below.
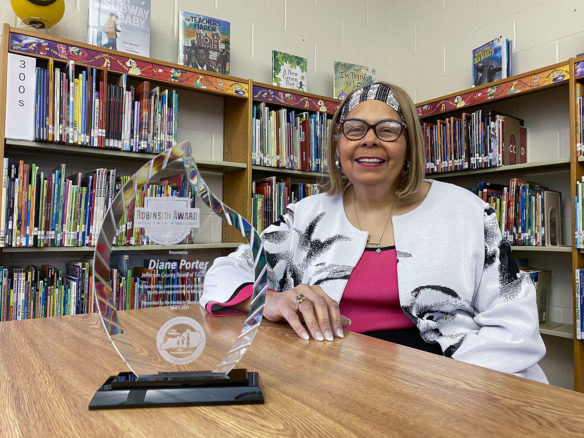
(518, 85)
(290, 172)
(565, 249)
(90, 249)
(293, 98)
(32, 148)
(557, 329)
(218, 245)
(29, 43)
(536, 167)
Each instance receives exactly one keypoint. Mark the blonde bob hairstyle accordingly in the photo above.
(410, 179)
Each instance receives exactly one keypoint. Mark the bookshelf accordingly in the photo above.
(576, 174)
(217, 105)
(289, 135)
(508, 170)
(35, 149)
(551, 163)
(150, 248)
(233, 93)
(223, 148)
(287, 172)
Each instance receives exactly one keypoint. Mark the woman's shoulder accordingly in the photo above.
(320, 201)
(450, 201)
(452, 194)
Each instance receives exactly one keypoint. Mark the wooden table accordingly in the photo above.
(358, 386)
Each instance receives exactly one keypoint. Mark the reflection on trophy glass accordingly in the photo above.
(150, 266)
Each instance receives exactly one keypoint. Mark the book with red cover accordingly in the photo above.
(267, 188)
(511, 138)
(304, 142)
(143, 96)
(521, 153)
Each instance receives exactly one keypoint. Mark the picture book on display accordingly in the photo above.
(491, 61)
(120, 25)
(203, 42)
(349, 77)
(289, 71)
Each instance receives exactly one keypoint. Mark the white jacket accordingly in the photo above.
(457, 279)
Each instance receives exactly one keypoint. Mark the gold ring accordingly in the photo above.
(300, 298)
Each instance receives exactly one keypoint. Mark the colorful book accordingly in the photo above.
(123, 26)
(289, 71)
(203, 42)
(348, 77)
(491, 61)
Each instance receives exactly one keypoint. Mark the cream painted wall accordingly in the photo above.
(322, 31)
(432, 40)
(423, 45)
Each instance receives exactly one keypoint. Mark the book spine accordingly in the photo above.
(578, 292)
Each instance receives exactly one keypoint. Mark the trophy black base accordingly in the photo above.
(126, 390)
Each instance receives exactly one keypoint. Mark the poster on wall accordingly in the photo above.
(120, 25)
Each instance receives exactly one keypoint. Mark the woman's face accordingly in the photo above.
(371, 162)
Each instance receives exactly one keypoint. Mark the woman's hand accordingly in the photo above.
(319, 312)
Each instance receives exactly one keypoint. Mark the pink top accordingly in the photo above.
(370, 299)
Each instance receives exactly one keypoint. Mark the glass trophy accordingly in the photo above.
(148, 275)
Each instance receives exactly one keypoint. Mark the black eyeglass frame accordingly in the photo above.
(374, 126)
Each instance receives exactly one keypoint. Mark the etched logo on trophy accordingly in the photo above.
(180, 340)
(167, 221)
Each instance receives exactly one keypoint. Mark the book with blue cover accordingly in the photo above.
(491, 61)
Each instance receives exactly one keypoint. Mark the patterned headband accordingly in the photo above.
(376, 91)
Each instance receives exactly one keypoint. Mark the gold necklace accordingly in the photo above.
(378, 244)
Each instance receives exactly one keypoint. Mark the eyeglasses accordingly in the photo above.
(385, 130)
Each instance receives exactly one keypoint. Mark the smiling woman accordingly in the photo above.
(389, 254)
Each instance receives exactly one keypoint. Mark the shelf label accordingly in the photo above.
(20, 97)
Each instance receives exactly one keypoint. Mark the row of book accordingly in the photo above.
(176, 186)
(141, 288)
(579, 215)
(287, 138)
(156, 283)
(473, 141)
(51, 209)
(55, 209)
(579, 119)
(528, 214)
(271, 196)
(73, 105)
(45, 291)
(579, 291)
